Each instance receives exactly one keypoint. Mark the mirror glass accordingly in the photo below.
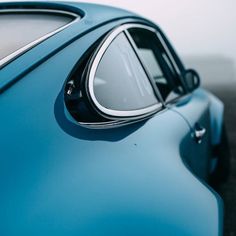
(192, 79)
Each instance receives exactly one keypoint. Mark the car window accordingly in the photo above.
(157, 63)
(120, 82)
(19, 29)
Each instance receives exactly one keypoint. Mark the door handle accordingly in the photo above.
(199, 133)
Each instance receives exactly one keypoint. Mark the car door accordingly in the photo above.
(158, 60)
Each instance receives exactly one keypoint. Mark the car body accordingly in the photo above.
(103, 130)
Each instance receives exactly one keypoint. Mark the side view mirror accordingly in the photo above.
(192, 79)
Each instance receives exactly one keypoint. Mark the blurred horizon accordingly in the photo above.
(214, 70)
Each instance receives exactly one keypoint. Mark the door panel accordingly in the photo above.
(195, 110)
(164, 71)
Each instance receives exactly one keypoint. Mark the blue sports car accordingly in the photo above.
(103, 131)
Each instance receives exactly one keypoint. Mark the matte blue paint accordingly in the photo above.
(58, 178)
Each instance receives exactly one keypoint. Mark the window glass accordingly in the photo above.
(157, 63)
(120, 81)
(20, 29)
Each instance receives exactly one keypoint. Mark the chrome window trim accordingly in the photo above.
(168, 52)
(117, 122)
(171, 58)
(27, 47)
(156, 90)
(95, 63)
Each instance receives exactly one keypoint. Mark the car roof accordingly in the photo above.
(89, 10)
(91, 16)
